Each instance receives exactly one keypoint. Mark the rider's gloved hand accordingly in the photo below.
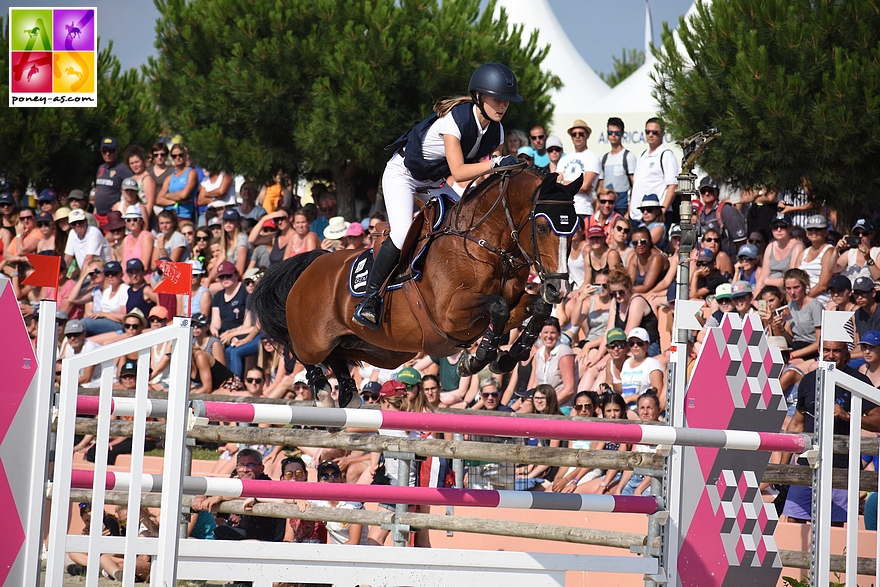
(504, 161)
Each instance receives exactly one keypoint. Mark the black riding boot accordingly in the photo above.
(369, 311)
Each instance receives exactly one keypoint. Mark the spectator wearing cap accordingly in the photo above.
(412, 379)
(640, 372)
(46, 226)
(139, 243)
(233, 241)
(618, 166)
(131, 198)
(869, 345)
(47, 201)
(203, 338)
(8, 222)
(180, 188)
(648, 266)
(108, 182)
(228, 305)
(722, 215)
(370, 392)
(554, 363)
(77, 200)
(583, 162)
(615, 342)
(599, 256)
(554, 152)
(840, 288)
(724, 304)
(113, 301)
(864, 294)
(243, 341)
(742, 295)
(652, 218)
(169, 242)
(712, 240)
(75, 343)
(199, 300)
(354, 237)
(133, 324)
(27, 238)
(780, 254)
(114, 232)
(62, 228)
(705, 277)
(140, 293)
(526, 154)
(604, 216)
(857, 257)
(819, 260)
(746, 267)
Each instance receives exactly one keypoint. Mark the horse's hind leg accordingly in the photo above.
(320, 386)
(487, 351)
(519, 351)
(348, 390)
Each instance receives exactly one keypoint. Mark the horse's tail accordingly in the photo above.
(269, 300)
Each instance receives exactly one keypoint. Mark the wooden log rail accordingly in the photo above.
(608, 538)
(465, 450)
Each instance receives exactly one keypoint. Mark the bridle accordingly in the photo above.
(521, 258)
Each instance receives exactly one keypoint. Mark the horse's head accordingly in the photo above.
(553, 221)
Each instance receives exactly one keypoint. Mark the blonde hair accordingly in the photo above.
(445, 105)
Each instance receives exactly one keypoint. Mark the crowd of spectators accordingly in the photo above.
(781, 255)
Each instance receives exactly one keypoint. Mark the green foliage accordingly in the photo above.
(630, 60)
(793, 85)
(59, 147)
(321, 86)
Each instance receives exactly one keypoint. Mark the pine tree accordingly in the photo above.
(629, 61)
(322, 86)
(793, 85)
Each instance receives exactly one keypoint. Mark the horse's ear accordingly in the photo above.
(574, 187)
(549, 183)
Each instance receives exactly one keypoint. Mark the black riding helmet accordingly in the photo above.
(496, 80)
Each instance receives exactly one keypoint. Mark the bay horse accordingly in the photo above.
(471, 285)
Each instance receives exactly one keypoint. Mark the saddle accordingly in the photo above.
(409, 270)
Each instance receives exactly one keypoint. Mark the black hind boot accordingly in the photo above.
(369, 311)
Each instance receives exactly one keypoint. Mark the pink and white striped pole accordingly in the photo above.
(244, 488)
(467, 424)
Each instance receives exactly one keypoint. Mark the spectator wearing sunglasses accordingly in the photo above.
(705, 277)
(746, 267)
(554, 152)
(712, 240)
(113, 300)
(780, 254)
(641, 372)
(656, 172)
(604, 215)
(857, 257)
(538, 142)
(339, 532)
(583, 162)
(618, 166)
(722, 215)
(108, 182)
(490, 396)
(84, 242)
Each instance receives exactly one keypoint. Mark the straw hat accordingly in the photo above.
(580, 124)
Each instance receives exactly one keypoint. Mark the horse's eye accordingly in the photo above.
(543, 229)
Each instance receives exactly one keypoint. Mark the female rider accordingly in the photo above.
(453, 141)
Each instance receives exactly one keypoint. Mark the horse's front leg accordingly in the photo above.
(348, 391)
(487, 351)
(320, 386)
(519, 351)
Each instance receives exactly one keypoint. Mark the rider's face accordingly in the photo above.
(495, 108)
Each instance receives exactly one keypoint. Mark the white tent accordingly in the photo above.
(582, 86)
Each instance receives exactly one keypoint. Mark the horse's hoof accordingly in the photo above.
(466, 365)
(503, 364)
(349, 398)
(324, 399)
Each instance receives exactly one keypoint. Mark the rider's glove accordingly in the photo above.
(504, 161)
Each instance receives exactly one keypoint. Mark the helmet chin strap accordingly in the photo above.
(479, 103)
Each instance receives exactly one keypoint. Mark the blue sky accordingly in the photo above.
(599, 30)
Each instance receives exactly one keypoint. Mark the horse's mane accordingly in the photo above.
(494, 178)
